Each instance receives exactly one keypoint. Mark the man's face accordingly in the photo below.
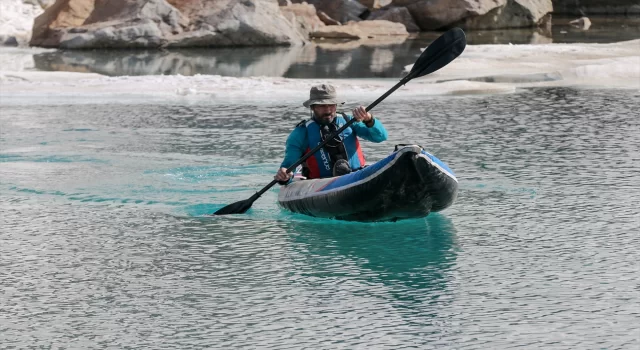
(324, 113)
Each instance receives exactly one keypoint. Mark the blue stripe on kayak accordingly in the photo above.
(358, 175)
(439, 162)
(368, 171)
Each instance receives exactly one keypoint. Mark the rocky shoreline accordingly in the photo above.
(152, 24)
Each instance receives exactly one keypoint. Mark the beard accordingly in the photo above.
(324, 118)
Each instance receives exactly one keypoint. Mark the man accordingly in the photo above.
(339, 156)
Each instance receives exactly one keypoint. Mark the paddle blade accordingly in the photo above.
(240, 207)
(440, 53)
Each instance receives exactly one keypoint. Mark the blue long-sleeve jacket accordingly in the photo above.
(298, 143)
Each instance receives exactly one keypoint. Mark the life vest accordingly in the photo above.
(345, 146)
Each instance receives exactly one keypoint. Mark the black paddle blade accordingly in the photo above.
(440, 53)
(240, 207)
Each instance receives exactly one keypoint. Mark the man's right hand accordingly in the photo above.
(282, 175)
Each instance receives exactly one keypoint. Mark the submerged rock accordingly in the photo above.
(583, 23)
(362, 30)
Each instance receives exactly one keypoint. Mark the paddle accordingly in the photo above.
(440, 53)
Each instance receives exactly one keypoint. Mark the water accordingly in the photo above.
(104, 245)
(321, 59)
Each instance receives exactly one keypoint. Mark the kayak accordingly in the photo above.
(409, 183)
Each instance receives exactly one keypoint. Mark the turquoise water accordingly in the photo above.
(104, 242)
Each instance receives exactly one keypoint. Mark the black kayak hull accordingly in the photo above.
(409, 183)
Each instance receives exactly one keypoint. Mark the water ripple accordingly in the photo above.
(104, 242)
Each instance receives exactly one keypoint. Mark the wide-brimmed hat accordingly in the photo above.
(323, 94)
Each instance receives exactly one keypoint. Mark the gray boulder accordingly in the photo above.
(514, 14)
(143, 33)
(341, 10)
(164, 23)
(436, 14)
(125, 24)
(375, 4)
(304, 16)
(236, 23)
(398, 15)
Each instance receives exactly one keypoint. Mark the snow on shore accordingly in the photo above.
(606, 65)
(482, 69)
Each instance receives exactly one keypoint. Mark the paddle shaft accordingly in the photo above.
(437, 55)
(332, 135)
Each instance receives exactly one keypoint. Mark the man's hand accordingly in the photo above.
(282, 175)
(362, 115)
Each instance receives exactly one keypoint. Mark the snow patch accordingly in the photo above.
(483, 69)
(16, 21)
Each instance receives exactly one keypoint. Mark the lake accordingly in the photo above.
(105, 242)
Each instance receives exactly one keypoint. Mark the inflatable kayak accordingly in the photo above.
(409, 183)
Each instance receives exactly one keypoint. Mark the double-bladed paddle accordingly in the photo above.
(437, 55)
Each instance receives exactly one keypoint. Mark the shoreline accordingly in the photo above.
(481, 69)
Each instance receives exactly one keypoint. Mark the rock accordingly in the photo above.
(375, 4)
(142, 33)
(304, 15)
(398, 15)
(167, 17)
(361, 30)
(235, 23)
(380, 41)
(85, 24)
(45, 4)
(583, 23)
(341, 10)
(49, 27)
(109, 24)
(436, 14)
(10, 40)
(596, 7)
(327, 20)
(514, 14)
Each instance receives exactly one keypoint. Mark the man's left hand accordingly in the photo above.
(362, 115)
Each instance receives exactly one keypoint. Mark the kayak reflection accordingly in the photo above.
(410, 262)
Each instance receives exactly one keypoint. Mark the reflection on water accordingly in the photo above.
(323, 59)
(409, 264)
(414, 254)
